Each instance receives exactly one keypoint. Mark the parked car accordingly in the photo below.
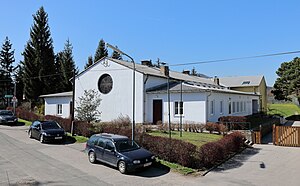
(46, 131)
(118, 151)
(7, 117)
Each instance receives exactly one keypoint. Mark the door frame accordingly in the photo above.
(161, 115)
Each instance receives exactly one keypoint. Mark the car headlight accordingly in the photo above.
(136, 161)
(153, 157)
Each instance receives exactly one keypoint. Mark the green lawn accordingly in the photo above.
(197, 139)
(283, 109)
(27, 123)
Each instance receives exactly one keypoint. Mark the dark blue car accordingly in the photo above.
(118, 151)
(46, 131)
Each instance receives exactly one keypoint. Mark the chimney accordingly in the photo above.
(164, 70)
(217, 80)
(147, 63)
(186, 72)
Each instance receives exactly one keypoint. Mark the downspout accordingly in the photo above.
(207, 105)
(144, 99)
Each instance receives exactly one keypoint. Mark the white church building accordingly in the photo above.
(191, 98)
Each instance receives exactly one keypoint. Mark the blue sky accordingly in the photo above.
(175, 31)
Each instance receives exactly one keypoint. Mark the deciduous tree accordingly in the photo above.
(288, 82)
(87, 106)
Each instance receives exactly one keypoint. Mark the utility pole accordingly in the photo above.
(73, 103)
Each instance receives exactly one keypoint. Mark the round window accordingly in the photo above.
(105, 84)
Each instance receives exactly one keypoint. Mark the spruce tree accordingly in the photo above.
(89, 62)
(6, 61)
(116, 55)
(39, 65)
(67, 66)
(101, 51)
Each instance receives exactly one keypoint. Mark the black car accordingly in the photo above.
(46, 131)
(8, 117)
(118, 151)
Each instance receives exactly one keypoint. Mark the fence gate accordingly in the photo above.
(286, 136)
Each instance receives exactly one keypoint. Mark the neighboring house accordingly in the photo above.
(251, 84)
(202, 99)
(58, 104)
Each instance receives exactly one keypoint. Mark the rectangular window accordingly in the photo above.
(178, 107)
(237, 106)
(59, 109)
(221, 107)
(212, 108)
(233, 107)
(229, 107)
(242, 108)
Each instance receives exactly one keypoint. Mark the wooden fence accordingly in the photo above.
(286, 136)
(256, 137)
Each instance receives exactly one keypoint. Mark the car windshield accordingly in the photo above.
(6, 112)
(50, 125)
(126, 145)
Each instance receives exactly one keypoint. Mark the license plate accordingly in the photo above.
(147, 164)
(58, 137)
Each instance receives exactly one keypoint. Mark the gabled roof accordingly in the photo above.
(154, 71)
(241, 81)
(62, 94)
(192, 87)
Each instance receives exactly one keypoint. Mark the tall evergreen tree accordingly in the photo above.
(116, 55)
(6, 60)
(101, 51)
(67, 66)
(39, 59)
(89, 62)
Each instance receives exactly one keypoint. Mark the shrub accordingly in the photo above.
(212, 153)
(83, 128)
(232, 119)
(173, 150)
(27, 115)
(211, 127)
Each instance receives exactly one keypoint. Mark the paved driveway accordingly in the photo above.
(26, 161)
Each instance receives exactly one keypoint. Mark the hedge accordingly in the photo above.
(27, 115)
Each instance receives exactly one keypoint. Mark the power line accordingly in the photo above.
(237, 58)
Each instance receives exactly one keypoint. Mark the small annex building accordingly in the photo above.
(58, 104)
(158, 93)
(251, 84)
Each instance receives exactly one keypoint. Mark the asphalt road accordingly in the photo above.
(25, 161)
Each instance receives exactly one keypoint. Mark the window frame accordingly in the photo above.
(59, 109)
(212, 107)
(221, 107)
(178, 108)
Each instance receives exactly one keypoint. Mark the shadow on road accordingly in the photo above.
(18, 124)
(155, 170)
(238, 160)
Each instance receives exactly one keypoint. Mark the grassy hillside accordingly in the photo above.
(283, 109)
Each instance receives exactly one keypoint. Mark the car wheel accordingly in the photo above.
(122, 167)
(29, 134)
(42, 138)
(92, 157)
